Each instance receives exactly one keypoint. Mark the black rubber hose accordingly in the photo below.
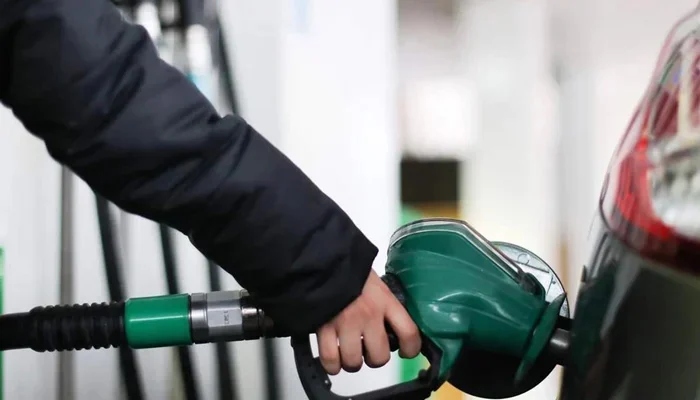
(127, 362)
(225, 68)
(65, 328)
(66, 370)
(271, 369)
(192, 12)
(183, 352)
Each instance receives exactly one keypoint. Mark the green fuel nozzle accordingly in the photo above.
(488, 306)
(462, 290)
(491, 314)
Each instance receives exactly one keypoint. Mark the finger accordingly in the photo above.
(405, 329)
(329, 354)
(350, 350)
(376, 345)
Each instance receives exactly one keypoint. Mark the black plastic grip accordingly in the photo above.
(317, 384)
(65, 327)
(395, 286)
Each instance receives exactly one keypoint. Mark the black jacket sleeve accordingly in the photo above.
(93, 88)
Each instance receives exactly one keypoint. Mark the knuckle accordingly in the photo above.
(409, 329)
(412, 332)
(346, 318)
(351, 362)
(352, 367)
(378, 361)
(329, 359)
(359, 314)
(332, 370)
(367, 309)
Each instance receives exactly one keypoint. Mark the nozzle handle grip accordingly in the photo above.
(317, 384)
(397, 290)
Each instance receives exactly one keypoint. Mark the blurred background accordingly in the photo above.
(500, 112)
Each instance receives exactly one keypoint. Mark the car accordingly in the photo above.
(636, 329)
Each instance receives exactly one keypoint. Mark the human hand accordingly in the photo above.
(360, 329)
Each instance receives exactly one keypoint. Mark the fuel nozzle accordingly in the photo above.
(494, 317)
(497, 312)
(558, 348)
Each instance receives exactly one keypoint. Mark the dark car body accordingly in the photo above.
(636, 331)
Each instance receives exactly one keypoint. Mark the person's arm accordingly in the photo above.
(93, 88)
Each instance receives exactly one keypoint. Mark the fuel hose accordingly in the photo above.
(146, 322)
(225, 67)
(186, 319)
(65, 360)
(138, 323)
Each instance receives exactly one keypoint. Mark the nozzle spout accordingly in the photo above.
(558, 347)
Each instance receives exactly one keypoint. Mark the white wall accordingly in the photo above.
(508, 180)
(319, 80)
(437, 104)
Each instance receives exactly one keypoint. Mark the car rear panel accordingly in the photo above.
(636, 331)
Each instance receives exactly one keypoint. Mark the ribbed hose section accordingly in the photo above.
(77, 327)
(64, 328)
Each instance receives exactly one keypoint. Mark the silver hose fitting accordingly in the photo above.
(225, 316)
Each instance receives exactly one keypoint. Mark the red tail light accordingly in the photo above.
(651, 197)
